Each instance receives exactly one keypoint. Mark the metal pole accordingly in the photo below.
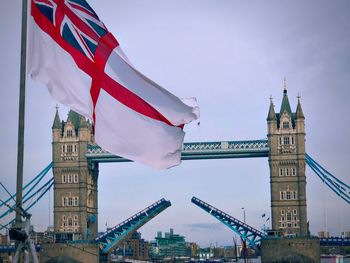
(22, 86)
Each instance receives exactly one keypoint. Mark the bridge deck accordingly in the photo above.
(197, 151)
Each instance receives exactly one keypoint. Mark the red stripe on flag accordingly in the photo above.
(82, 9)
(76, 20)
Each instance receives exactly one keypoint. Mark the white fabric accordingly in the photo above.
(52, 66)
(118, 129)
(162, 100)
(129, 134)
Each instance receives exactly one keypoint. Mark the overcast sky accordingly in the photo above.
(231, 55)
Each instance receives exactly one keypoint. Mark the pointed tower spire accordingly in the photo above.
(74, 118)
(57, 122)
(272, 115)
(285, 85)
(285, 102)
(299, 112)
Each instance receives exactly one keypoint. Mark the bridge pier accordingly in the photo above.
(85, 253)
(277, 250)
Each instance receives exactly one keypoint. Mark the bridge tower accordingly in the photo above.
(75, 188)
(286, 138)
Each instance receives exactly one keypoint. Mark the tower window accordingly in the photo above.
(286, 171)
(285, 125)
(295, 211)
(288, 195)
(294, 172)
(282, 195)
(76, 180)
(280, 140)
(69, 148)
(292, 139)
(75, 199)
(64, 179)
(281, 172)
(69, 133)
(282, 212)
(285, 140)
(294, 195)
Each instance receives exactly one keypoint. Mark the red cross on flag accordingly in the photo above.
(81, 63)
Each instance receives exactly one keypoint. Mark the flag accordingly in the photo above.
(72, 52)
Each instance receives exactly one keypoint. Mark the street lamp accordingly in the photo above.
(243, 214)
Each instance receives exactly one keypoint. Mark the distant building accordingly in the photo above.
(134, 248)
(345, 234)
(194, 249)
(205, 253)
(171, 245)
(323, 234)
(4, 239)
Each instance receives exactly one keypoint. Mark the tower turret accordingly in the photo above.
(287, 169)
(75, 194)
(56, 127)
(271, 118)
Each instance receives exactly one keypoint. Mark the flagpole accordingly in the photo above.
(21, 114)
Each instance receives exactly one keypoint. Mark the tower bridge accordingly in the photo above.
(76, 159)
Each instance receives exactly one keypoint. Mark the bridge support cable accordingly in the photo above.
(337, 186)
(35, 181)
(43, 191)
(115, 236)
(44, 188)
(31, 185)
(29, 195)
(246, 232)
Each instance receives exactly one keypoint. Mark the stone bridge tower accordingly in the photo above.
(286, 137)
(75, 191)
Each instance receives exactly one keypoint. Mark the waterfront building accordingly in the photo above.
(323, 234)
(134, 248)
(171, 245)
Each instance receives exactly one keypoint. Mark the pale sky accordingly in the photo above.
(231, 55)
